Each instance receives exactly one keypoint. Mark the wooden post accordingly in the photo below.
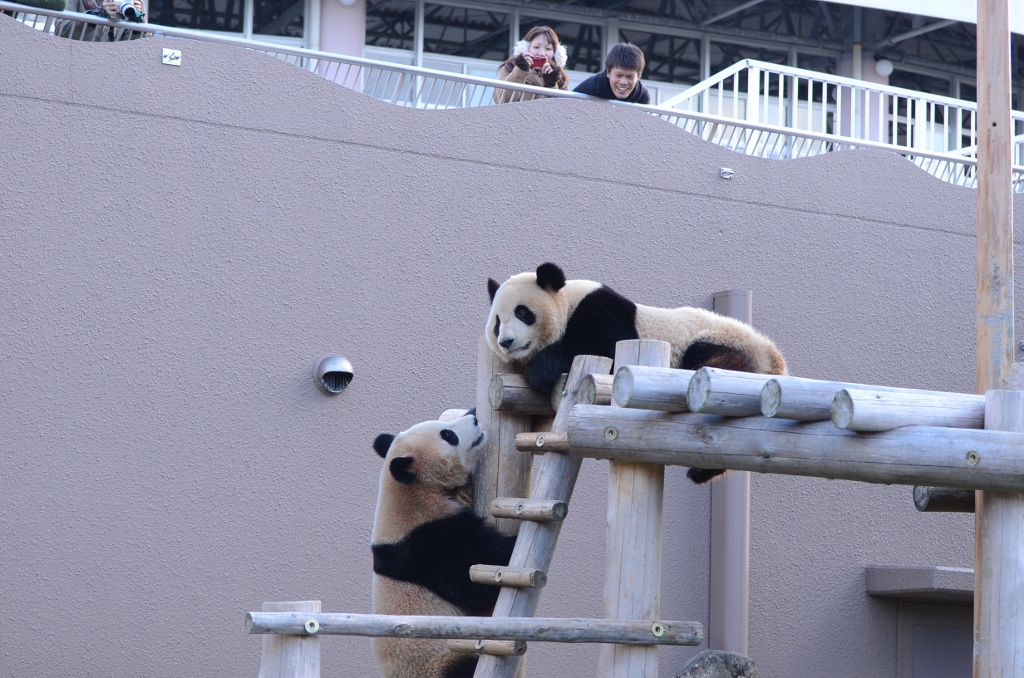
(632, 579)
(503, 471)
(998, 615)
(291, 656)
(996, 627)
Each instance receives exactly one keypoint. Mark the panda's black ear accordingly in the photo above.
(550, 277)
(492, 287)
(382, 444)
(400, 470)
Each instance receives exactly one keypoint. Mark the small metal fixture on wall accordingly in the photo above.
(332, 374)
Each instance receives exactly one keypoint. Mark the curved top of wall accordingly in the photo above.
(243, 91)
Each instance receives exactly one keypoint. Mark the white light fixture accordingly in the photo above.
(884, 68)
(347, 3)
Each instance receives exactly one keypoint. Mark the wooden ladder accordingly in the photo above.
(633, 567)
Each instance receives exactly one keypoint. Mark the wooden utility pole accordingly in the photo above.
(998, 632)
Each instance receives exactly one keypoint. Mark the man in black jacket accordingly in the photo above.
(620, 78)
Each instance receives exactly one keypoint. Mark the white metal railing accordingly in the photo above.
(758, 135)
(803, 100)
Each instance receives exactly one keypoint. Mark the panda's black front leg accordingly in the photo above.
(544, 369)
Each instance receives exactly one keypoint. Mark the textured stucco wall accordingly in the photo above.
(179, 245)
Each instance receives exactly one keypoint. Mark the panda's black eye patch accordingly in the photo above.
(497, 326)
(450, 437)
(525, 315)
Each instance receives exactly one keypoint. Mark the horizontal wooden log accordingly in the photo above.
(497, 648)
(943, 500)
(725, 392)
(595, 389)
(785, 397)
(537, 510)
(516, 577)
(558, 392)
(912, 455)
(511, 393)
(873, 410)
(652, 388)
(552, 630)
(539, 443)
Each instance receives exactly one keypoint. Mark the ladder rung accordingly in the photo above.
(515, 577)
(539, 443)
(537, 510)
(498, 648)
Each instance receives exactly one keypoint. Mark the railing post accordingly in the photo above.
(753, 105)
(291, 656)
(632, 582)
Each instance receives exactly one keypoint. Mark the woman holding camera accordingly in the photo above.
(538, 59)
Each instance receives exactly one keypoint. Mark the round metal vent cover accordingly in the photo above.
(332, 374)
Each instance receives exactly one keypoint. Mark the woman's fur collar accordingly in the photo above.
(522, 47)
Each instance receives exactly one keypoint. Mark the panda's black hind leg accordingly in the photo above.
(706, 354)
(703, 475)
(464, 667)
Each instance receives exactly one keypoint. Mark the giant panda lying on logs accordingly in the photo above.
(425, 538)
(541, 321)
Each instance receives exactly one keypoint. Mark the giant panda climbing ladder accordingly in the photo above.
(710, 418)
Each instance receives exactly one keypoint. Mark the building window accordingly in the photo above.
(459, 31)
(391, 23)
(935, 640)
(249, 18)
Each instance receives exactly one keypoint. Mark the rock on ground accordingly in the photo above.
(718, 664)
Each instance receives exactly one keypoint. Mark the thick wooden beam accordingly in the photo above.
(997, 632)
(999, 585)
(294, 656)
(503, 470)
(801, 399)
(595, 389)
(511, 393)
(651, 388)
(871, 410)
(912, 455)
(632, 575)
(534, 629)
(556, 474)
(724, 392)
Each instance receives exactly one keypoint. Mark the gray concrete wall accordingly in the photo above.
(179, 245)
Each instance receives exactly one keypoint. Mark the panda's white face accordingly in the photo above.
(435, 453)
(426, 468)
(524, 318)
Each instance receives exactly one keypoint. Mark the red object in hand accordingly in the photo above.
(538, 61)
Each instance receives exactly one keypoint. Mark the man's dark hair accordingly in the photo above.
(625, 56)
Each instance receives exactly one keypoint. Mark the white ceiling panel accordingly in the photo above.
(960, 10)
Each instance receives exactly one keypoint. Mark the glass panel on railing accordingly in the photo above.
(391, 23)
(279, 17)
(210, 15)
(584, 43)
(459, 31)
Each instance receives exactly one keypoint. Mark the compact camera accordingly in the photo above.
(538, 61)
(128, 10)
